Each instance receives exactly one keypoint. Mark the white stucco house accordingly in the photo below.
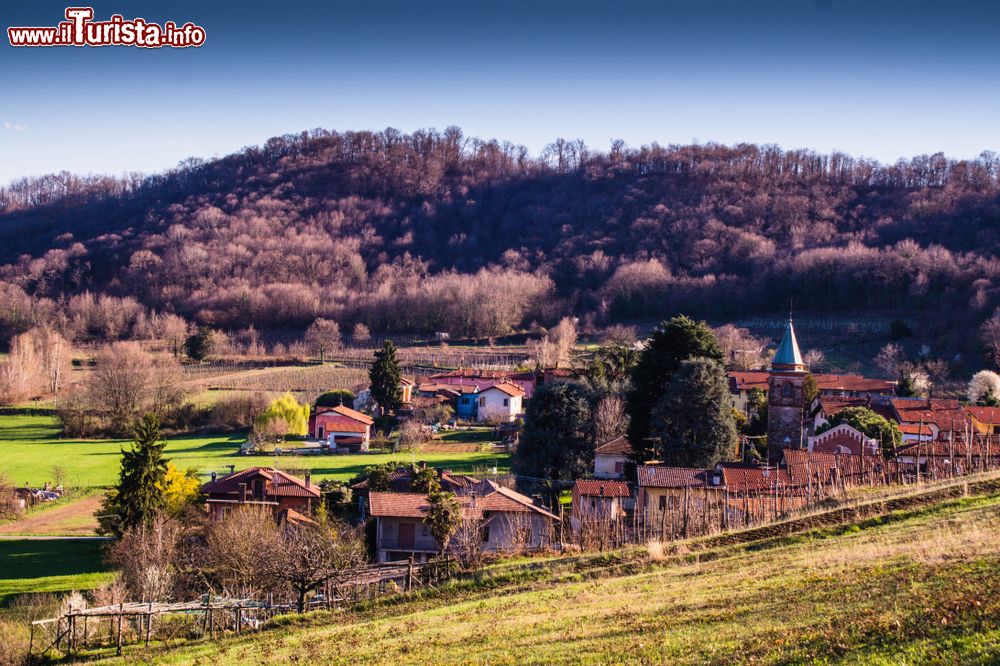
(502, 402)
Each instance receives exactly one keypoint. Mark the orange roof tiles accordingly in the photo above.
(617, 446)
(600, 488)
(277, 483)
(655, 476)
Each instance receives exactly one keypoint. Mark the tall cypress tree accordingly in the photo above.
(385, 376)
(673, 342)
(138, 496)
(693, 420)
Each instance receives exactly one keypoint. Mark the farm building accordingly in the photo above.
(499, 519)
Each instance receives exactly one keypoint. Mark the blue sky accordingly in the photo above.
(877, 79)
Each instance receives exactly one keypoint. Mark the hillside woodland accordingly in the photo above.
(435, 231)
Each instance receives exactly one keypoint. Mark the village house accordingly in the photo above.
(499, 518)
(603, 499)
(986, 420)
(406, 386)
(749, 478)
(287, 497)
(942, 416)
(610, 458)
(401, 481)
(461, 397)
(661, 488)
(343, 428)
(500, 402)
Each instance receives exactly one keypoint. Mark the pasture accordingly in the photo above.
(30, 446)
(50, 565)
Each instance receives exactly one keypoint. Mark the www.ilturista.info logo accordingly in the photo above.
(79, 29)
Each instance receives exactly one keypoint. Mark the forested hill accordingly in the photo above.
(437, 231)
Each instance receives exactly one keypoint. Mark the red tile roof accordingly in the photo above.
(833, 404)
(985, 415)
(277, 484)
(744, 381)
(915, 429)
(854, 384)
(945, 414)
(599, 488)
(618, 446)
(743, 477)
(655, 476)
(415, 505)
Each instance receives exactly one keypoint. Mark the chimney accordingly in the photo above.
(308, 479)
(243, 493)
(602, 490)
(214, 477)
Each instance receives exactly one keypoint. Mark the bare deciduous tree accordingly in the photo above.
(610, 419)
(323, 337)
(989, 333)
(240, 551)
(147, 556)
(742, 350)
(889, 359)
(19, 375)
(564, 338)
(307, 556)
(128, 380)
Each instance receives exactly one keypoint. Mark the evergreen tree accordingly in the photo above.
(810, 390)
(444, 516)
(335, 398)
(139, 494)
(200, 344)
(558, 438)
(385, 376)
(673, 342)
(693, 421)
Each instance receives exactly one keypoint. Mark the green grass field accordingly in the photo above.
(49, 565)
(30, 446)
(914, 586)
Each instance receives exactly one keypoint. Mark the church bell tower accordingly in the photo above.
(785, 397)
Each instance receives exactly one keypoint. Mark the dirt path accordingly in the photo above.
(72, 519)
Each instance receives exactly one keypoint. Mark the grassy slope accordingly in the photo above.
(914, 586)
(49, 565)
(30, 446)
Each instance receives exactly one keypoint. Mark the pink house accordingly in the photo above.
(343, 428)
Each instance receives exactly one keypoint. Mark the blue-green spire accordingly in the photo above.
(788, 351)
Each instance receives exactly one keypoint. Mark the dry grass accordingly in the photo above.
(916, 587)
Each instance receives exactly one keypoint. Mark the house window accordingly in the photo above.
(786, 390)
(663, 502)
(485, 533)
(482, 402)
(506, 402)
(619, 467)
(465, 400)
